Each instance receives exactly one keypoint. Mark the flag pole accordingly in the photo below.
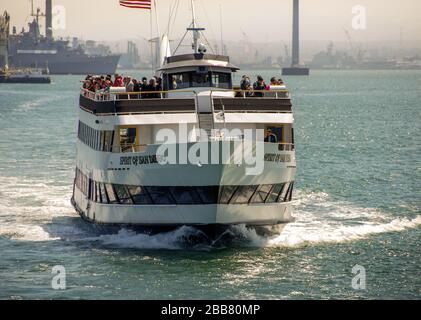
(151, 41)
(157, 19)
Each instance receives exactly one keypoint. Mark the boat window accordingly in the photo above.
(185, 195)
(139, 195)
(221, 80)
(201, 80)
(208, 195)
(122, 194)
(291, 188)
(274, 193)
(90, 189)
(226, 194)
(127, 139)
(103, 193)
(111, 194)
(108, 140)
(97, 193)
(160, 195)
(274, 134)
(284, 192)
(261, 194)
(243, 194)
(179, 80)
(102, 141)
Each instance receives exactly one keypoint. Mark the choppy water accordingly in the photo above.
(358, 203)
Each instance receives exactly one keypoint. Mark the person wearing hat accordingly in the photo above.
(259, 86)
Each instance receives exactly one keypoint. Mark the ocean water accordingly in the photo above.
(358, 202)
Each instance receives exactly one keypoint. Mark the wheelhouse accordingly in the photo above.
(191, 71)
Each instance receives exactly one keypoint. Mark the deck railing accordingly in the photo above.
(133, 148)
(124, 96)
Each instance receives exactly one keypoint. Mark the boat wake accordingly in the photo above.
(40, 211)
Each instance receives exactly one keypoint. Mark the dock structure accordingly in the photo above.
(296, 69)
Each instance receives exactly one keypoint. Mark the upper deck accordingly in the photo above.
(185, 101)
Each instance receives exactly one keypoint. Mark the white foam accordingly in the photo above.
(173, 240)
(320, 220)
(41, 211)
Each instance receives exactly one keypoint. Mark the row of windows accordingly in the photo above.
(138, 195)
(203, 78)
(96, 139)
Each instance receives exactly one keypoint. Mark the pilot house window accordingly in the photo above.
(200, 78)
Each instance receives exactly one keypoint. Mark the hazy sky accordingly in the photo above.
(261, 20)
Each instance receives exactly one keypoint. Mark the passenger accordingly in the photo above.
(259, 86)
(245, 85)
(270, 137)
(150, 88)
(174, 84)
(136, 86)
(143, 86)
(108, 84)
(118, 81)
(129, 84)
(98, 87)
(158, 85)
(273, 81)
(280, 82)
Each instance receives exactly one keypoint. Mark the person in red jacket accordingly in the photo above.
(118, 82)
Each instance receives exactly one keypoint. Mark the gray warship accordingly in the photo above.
(31, 49)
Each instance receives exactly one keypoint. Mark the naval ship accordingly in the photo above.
(155, 161)
(30, 49)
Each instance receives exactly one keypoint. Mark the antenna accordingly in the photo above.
(222, 36)
(195, 29)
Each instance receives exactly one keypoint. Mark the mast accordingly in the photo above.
(195, 29)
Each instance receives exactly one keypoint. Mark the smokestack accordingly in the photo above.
(48, 19)
(296, 34)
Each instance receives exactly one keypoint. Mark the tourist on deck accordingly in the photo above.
(143, 86)
(129, 84)
(136, 85)
(274, 81)
(118, 81)
(150, 88)
(136, 88)
(158, 85)
(245, 85)
(259, 86)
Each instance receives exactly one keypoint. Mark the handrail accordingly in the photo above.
(106, 96)
(132, 148)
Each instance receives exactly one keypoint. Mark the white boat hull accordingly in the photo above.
(252, 214)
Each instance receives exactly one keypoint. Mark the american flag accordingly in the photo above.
(136, 4)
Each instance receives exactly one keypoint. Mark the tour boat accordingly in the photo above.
(184, 156)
